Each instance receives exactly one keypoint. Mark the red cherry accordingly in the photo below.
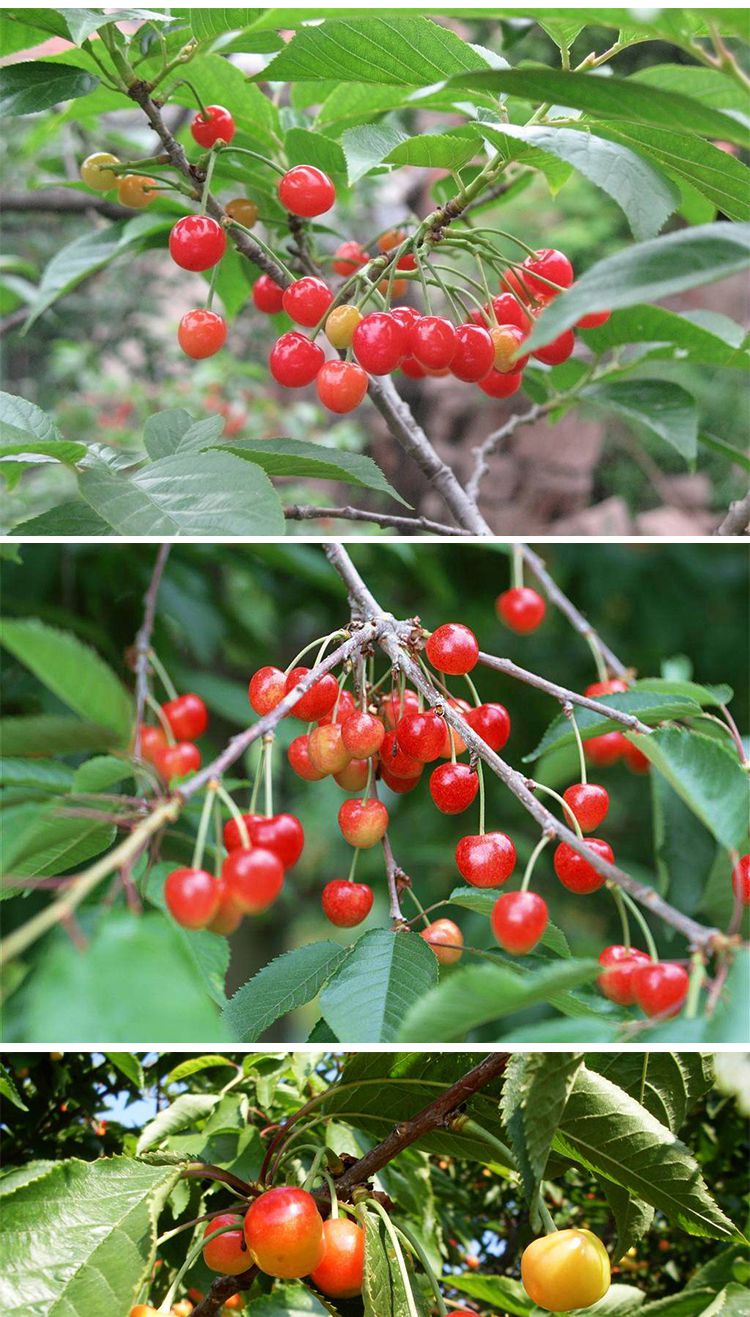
(395, 706)
(187, 715)
(354, 776)
(362, 734)
(593, 320)
(552, 265)
(521, 609)
(491, 722)
(267, 689)
(228, 917)
(508, 311)
(453, 787)
(432, 342)
(197, 242)
(576, 873)
(420, 736)
(634, 758)
(192, 897)
(306, 191)
(589, 804)
(406, 316)
(506, 340)
(217, 125)
(474, 355)
(363, 823)
(327, 750)
(201, 333)
(298, 755)
(452, 649)
(660, 988)
(379, 343)
(516, 282)
(346, 903)
(253, 879)
(497, 385)
(226, 1253)
(558, 350)
(284, 1232)
(518, 921)
(282, 834)
(446, 940)
(741, 879)
(613, 686)
(452, 738)
(153, 741)
(318, 700)
(341, 386)
(395, 761)
(344, 706)
(413, 369)
(294, 360)
(177, 760)
(399, 785)
(349, 257)
(487, 859)
(605, 749)
(340, 1274)
(268, 296)
(307, 300)
(619, 963)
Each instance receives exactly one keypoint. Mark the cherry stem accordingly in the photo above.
(571, 717)
(322, 641)
(548, 1223)
(420, 907)
(258, 776)
(156, 708)
(256, 155)
(183, 82)
(353, 865)
(212, 285)
(517, 568)
(539, 786)
(312, 1174)
(162, 674)
(623, 913)
(593, 644)
(528, 871)
(697, 975)
(334, 1210)
(474, 692)
(251, 233)
(213, 155)
(226, 799)
(635, 912)
(480, 775)
(465, 1125)
(268, 741)
(205, 819)
(414, 1246)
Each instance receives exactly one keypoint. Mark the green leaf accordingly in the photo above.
(210, 494)
(609, 98)
(128, 1065)
(100, 773)
(9, 1091)
(367, 998)
(367, 145)
(283, 985)
(496, 1292)
(439, 150)
(720, 177)
(705, 696)
(650, 707)
(706, 775)
(73, 672)
(660, 408)
(646, 198)
(19, 416)
(705, 337)
(170, 432)
(632, 1217)
(53, 844)
(33, 85)
(649, 271)
(481, 994)
(51, 735)
(536, 1089)
(288, 1301)
(207, 953)
(47, 775)
(684, 850)
(307, 148)
(195, 1064)
(403, 50)
(295, 457)
(83, 22)
(100, 1265)
(482, 900)
(83, 997)
(68, 519)
(667, 1084)
(376, 1286)
(187, 1111)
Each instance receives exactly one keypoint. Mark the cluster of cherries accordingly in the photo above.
(486, 349)
(170, 744)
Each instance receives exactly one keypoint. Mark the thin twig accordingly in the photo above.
(484, 451)
(561, 693)
(737, 520)
(391, 873)
(143, 642)
(306, 512)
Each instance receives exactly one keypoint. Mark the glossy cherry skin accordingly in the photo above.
(521, 609)
(474, 356)
(217, 126)
(394, 707)
(379, 343)
(197, 242)
(306, 191)
(420, 735)
(253, 879)
(306, 300)
(177, 760)
(395, 760)
(491, 722)
(453, 787)
(452, 649)
(298, 755)
(187, 715)
(327, 750)
(341, 710)
(613, 686)
(446, 940)
(282, 834)
(294, 360)
(354, 777)
(575, 872)
(452, 738)
(362, 734)
(268, 296)
(552, 265)
(245, 211)
(399, 785)
(192, 897)
(95, 174)
(349, 257)
(497, 385)
(341, 386)
(605, 749)
(565, 1269)
(318, 700)
(593, 320)
(518, 921)
(508, 311)
(554, 353)
(506, 340)
(741, 879)
(341, 324)
(661, 988)
(153, 741)
(634, 758)
(340, 1274)
(267, 688)
(201, 333)
(284, 1232)
(589, 804)
(143, 1310)
(136, 191)
(363, 823)
(227, 1253)
(346, 903)
(432, 342)
(616, 980)
(487, 859)
(228, 917)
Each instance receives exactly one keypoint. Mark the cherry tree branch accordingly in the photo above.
(143, 642)
(307, 512)
(561, 693)
(61, 201)
(737, 519)
(484, 451)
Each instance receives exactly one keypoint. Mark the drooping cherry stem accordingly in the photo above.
(143, 642)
